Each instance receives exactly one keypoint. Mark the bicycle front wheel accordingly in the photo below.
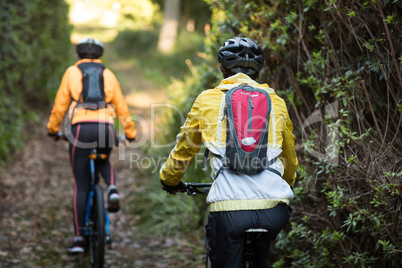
(98, 238)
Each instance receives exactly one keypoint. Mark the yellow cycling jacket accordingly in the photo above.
(69, 92)
(232, 191)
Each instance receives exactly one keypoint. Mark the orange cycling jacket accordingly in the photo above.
(69, 93)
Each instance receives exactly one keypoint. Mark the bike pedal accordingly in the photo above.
(113, 208)
(109, 241)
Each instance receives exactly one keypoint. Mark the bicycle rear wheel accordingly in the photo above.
(98, 235)
(208, 261)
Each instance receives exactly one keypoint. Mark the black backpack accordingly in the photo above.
(93, 92)
(247, 113)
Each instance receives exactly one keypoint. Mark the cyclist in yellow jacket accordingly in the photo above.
(237, 202)
(90, 126)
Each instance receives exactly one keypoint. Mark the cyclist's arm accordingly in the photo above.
(61, 103)
(188, 144)
(288, 155)
(120, 104)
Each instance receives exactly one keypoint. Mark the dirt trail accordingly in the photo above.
(36, 192)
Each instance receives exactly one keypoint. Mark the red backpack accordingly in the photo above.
(247, 113)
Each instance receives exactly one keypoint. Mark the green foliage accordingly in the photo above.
(164, 214)
(196, 10)
(141, 45)
(36, 34)
(133, 15)
(138, 14)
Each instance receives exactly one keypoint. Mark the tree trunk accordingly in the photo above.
(168, 34)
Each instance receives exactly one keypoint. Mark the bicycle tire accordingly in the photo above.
(208, 263)
(98, 237)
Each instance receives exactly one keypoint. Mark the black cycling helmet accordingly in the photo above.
(89, 48)
(241, 54)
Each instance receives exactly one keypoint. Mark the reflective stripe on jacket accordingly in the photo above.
(232, 191)
(69, 92)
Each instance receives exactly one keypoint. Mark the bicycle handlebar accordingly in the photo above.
(62, 135)
(193, 188)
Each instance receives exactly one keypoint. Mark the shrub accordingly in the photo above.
(142, 45)
(136, 42)
(36, 42)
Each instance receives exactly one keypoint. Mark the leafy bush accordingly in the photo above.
(136, 14)
(140, 42)
(36, 42)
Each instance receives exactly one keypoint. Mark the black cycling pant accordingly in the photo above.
(87, 136)
(225, 234)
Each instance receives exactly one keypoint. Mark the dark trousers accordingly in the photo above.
(225, 234)
(87, 135)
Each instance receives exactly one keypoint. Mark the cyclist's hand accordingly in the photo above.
(180, 188)
(123, 139)
(130, 140)
(55, 136)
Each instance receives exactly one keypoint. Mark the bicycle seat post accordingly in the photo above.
(92, 158)
(249, 236)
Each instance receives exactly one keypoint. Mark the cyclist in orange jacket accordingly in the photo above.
(91, 126)
(237, 201)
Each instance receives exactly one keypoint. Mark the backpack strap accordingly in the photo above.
(204, 160)
(206, 155)
(270, 162)
(82, 66)
(274, 171)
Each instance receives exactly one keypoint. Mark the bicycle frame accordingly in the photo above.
(94, 180)
(250, 236)
(96, 218)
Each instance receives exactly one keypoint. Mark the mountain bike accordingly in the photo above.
(96, 218)
(250, 235)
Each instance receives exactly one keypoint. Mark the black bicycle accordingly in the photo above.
(96, 218)
(251, 235)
